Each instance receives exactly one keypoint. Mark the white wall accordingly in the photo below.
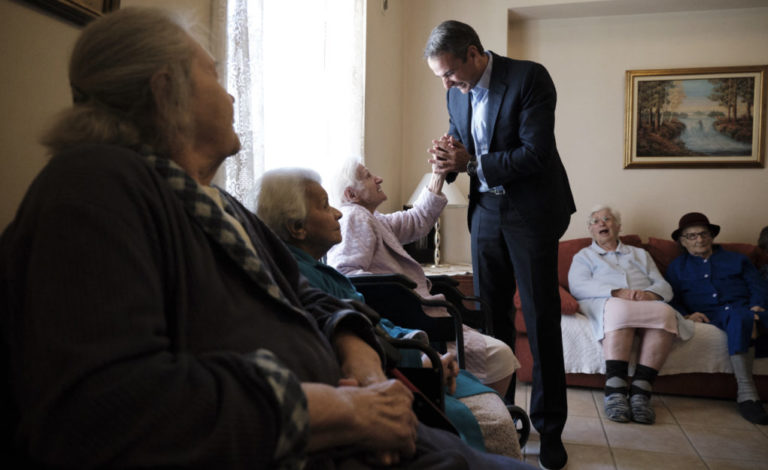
(34, 47)
(587, 57)
(34, 50)
(383, 97)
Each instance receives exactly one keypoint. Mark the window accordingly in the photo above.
(296, 69)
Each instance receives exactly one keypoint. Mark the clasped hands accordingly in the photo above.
(383, 409)
(379, 412)
(635, 294)
(448, 155)
(383, 419)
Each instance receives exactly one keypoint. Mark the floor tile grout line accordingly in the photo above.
(664, 401)
(605, 432)
(682, 429)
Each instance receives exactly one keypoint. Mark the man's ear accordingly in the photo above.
(350, 195)
(472, 53)
(297, 230)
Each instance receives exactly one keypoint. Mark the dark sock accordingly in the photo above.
(642, 381)
(616, 377)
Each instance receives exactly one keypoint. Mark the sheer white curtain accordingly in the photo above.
(297, 71)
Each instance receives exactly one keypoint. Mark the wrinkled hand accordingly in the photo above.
(698, 317)
(634, 294)
(450, 369)
(384, 419)
(448, 155)
(358, 360)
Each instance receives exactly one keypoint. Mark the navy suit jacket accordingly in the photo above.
(522, 155)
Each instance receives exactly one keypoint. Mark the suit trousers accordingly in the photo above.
(506, 248)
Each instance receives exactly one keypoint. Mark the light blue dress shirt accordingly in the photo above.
(479, 96)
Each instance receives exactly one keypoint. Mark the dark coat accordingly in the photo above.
(130, 331)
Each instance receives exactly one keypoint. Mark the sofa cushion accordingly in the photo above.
(746, 249)
(566, 250)
(662, 251)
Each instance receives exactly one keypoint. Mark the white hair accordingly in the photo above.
(281, 198)
(605, 207)
(110, 71)
(346, 177)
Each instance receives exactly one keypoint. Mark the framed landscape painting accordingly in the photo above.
(78, 11)
(700, 117)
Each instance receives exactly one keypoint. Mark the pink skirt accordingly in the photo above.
(651, 314)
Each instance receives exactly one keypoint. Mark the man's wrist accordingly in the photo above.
(472, 167)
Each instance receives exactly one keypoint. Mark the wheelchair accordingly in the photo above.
(394, 296)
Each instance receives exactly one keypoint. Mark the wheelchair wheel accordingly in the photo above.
(522, 423)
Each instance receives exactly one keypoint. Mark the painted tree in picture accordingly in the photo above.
(696, 117)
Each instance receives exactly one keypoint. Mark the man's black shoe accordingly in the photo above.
(552, 454)
(753, 412)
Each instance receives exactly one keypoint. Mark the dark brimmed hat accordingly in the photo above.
(692, 219)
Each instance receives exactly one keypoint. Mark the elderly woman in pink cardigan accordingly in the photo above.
(372, 244)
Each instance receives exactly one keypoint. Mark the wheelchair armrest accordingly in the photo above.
(404, 307)
(434, 357)
(476, 318)
(442, 279)
(377, 278)
(429, 404)
(458, 325)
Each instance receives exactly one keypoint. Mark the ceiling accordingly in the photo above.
(547, 9)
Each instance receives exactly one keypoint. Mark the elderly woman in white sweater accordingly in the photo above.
(624, 295)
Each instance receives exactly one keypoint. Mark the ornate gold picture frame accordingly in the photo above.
(696, 118)
(77, 11)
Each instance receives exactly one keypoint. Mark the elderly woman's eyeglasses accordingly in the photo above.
(594, 220)
(693, 236)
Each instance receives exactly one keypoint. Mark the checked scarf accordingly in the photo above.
(208, 214)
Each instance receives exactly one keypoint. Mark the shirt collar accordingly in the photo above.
(620, 248)
(485, 79)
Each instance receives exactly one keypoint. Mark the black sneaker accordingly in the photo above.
(552, 454)
(753, 411)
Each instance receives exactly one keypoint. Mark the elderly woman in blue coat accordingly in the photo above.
(725, 289)
(622, 292)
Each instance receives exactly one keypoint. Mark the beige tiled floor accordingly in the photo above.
(690, 433)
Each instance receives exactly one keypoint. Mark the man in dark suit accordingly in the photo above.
(502, 119)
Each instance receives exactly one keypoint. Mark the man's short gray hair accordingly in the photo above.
(110, 73)
(281, 199)
(452, 37)
(346, 177)
(604, 207)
